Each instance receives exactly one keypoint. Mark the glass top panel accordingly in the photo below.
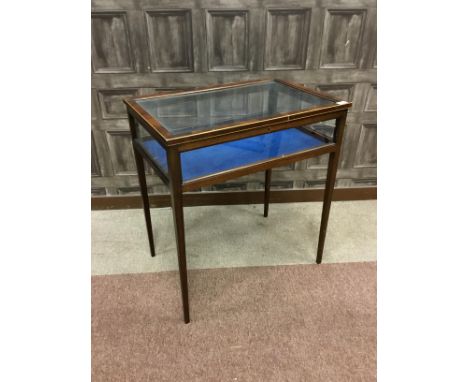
(186, 113)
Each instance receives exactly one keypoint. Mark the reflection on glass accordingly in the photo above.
(325, 128)
(182, 114)
(141, 131)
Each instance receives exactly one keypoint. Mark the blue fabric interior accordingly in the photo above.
(225, 156)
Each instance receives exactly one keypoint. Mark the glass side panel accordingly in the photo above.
(225, 156)
(326, 128)
(141, 132)
(183, 114)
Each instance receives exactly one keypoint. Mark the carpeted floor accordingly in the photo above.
(284, 323)
(234, 236)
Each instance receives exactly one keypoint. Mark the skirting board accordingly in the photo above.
(233, 197)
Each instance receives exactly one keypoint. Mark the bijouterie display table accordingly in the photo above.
(207, 136)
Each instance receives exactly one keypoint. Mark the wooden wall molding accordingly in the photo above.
(229, 198)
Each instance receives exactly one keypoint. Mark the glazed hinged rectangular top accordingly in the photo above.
(229, 108)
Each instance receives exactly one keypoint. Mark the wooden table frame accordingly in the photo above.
(176, 145)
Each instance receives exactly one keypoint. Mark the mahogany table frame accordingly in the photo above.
(174, 145)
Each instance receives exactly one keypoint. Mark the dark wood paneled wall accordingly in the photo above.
(144, 46)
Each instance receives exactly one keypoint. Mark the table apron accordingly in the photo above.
(250, 132)
(256, 167)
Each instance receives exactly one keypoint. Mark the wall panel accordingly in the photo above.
(286, 38)
(227, 34)
(343, 32)
(111, 48)
(366, 153)
(143, 47)
(110, 102)
(170, 40)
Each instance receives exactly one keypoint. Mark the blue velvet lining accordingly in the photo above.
(225, 156)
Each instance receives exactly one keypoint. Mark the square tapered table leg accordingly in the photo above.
(143, 186)
(175, 183)
(333, 162)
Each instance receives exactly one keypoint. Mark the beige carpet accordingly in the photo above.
(283, 323)
(234, 236)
